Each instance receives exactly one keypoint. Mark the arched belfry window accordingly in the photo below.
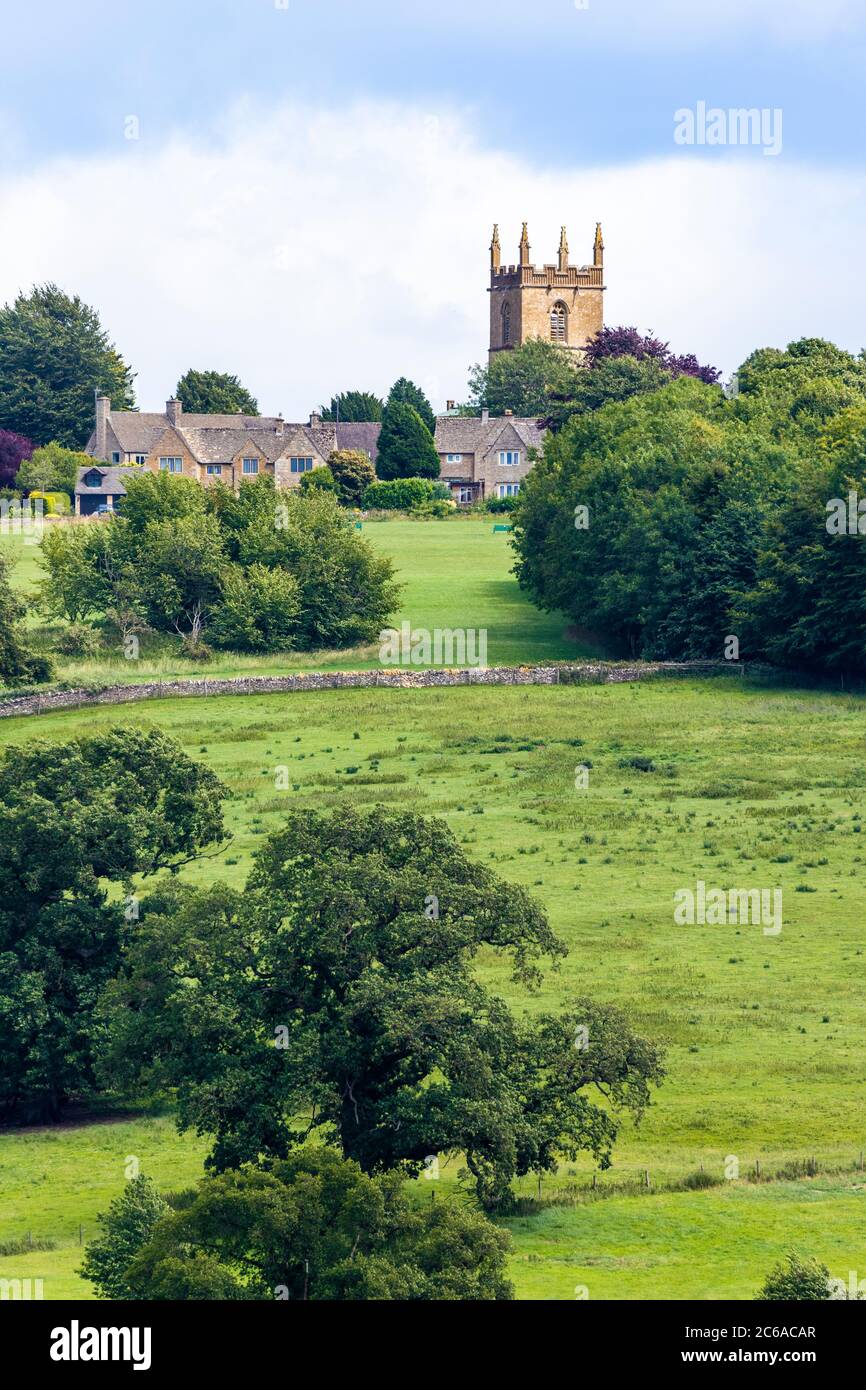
(506, 325)
(559, 323)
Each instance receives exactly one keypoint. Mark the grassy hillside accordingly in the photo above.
(747, 787)
(456, 574)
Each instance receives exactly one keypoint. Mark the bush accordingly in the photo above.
(312, 1226)
(502, 504)
(796, 1278)
(400, 494)
(128, 1224)
(79, 640)
(259, 610)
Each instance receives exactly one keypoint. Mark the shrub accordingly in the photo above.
(128, 1224)
(400, 494)
(502, 504)
(79, 639)
(796, 1278)
(259, 610)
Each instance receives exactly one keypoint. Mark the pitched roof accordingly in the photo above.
(359, 434)
(468, 434)
(111, 485)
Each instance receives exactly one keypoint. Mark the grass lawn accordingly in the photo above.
(749, 787)
(456, 574)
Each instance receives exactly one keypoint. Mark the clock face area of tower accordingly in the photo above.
(560, 302)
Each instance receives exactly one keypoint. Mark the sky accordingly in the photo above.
(303, 191)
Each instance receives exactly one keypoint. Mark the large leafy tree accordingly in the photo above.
(214, 393)
(643, 519)
(628, 342)
(525, 380)
(52, 468)
(406, 446)
(54, 357)
(338, 993)
(354, 406)
(312, 1226)
(347, 590)
(405, 392)
(76, 820)
(807, 606)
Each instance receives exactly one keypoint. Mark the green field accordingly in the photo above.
(750, 787)
(456, 574)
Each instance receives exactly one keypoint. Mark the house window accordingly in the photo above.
(455, 458)
(251, 465)
(115, 457)
(140, 458)
(93, 478)
(559, 323)
(464, 494)
(508, 489)
(214, 469)
(300, 465)
(508, 458)
(171, 465)
(506, 325)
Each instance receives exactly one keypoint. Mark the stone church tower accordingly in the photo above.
(561, 302)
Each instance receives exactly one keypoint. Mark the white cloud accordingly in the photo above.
(311, 251)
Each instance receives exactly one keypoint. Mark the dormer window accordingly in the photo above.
(93, 478)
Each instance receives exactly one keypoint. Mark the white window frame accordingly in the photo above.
(249, 466)
(509, 458)
(454, 458)
(139, 458)
(301, 463)
(115, 456)
(465, 495)
(167, 464)
(214, 470)
(507, 489)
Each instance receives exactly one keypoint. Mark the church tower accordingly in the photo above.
(560, 302)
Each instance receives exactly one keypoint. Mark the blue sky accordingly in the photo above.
(294, 168)
(545, 79)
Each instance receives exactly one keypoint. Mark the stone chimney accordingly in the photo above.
(449, 405)
(315, 421)
(173, 410)
(280, 426)
(485, 416)
(103, 406)
(508, 412)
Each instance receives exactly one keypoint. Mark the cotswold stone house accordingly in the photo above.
(560, 302)
(479, 456)
(482, 456)
(216, 448)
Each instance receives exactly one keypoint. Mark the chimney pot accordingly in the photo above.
(315, 420)
(508, 412)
